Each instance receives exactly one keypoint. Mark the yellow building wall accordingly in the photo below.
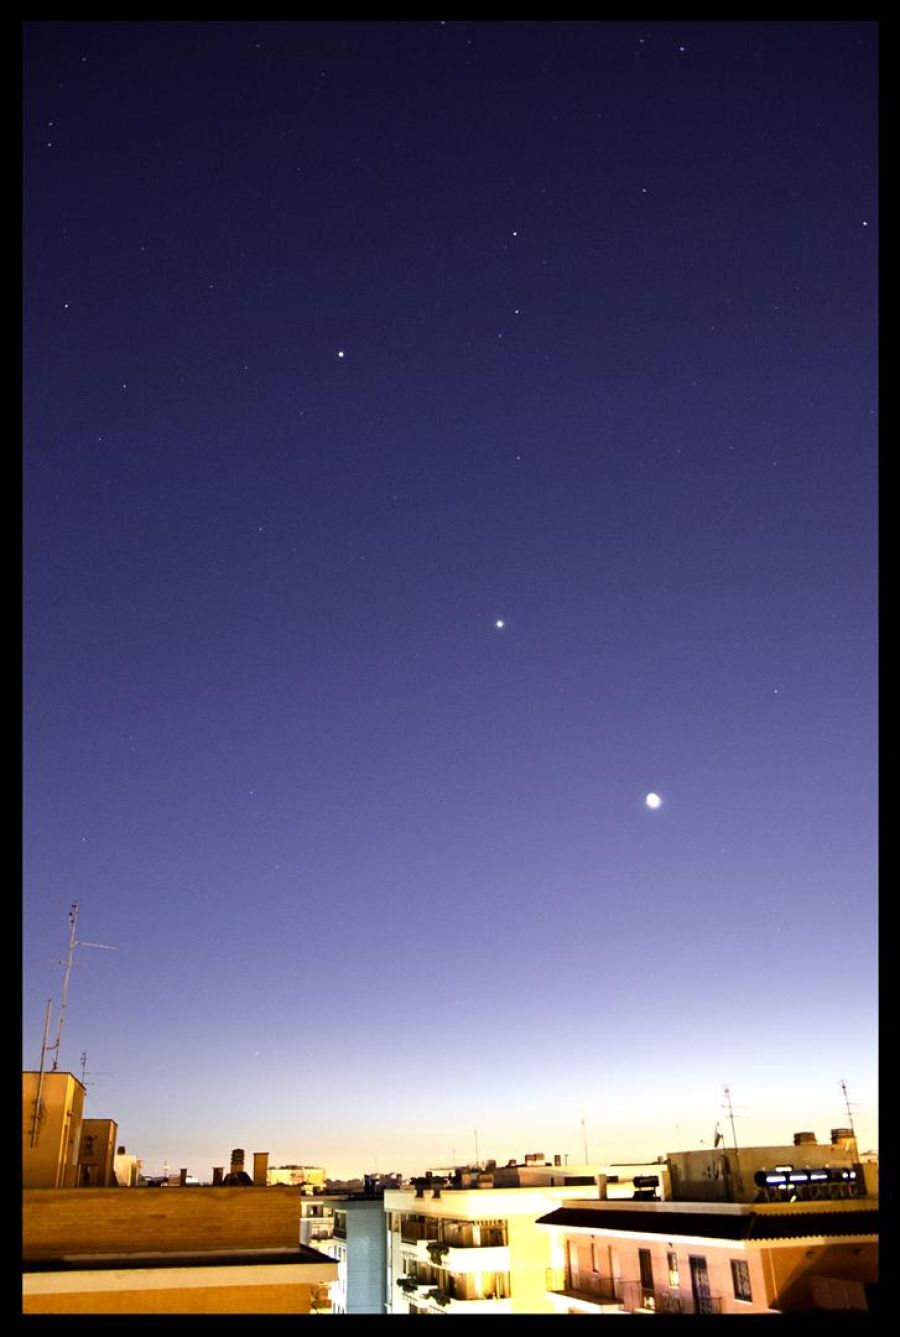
(529, 1258)
(124, 1220)
(52, 1160)
(292, 1299)
(95, 1167)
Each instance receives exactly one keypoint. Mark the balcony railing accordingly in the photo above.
(628, 1296)
(413, 1231)
(588, 1284)
(464, 1237)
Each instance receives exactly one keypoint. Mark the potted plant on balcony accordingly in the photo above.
(408, 1285)
(439, 1297)
(437, 1253)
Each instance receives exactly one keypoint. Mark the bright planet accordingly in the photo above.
(653, 801)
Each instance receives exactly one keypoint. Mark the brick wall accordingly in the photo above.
(113, 1220)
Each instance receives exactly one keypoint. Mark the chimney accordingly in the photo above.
(841, 1135)
(237, 1160)
(260, 1169)
(802, 1139)
(218, 1175)
(120, 1151)
(557, 1158)
(182, 1177)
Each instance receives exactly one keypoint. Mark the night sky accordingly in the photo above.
(437, 437)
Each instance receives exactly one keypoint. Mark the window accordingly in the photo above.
(595, 1256)
(740, 1277)
(672, 1263)
(645, 1263)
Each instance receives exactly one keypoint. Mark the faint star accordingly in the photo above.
(340, 352)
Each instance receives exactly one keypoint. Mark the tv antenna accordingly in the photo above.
(69, 963)
(847, 1103)
(737, 1155)
(584, 1138)
(84, 1070)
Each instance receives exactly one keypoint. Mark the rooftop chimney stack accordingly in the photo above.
(260, 1169)
(218, 1175)
(237, 1161)
(801, 1139)
(182, 1177)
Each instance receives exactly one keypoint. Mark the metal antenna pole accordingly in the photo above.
(70, 957)
(847, 1103)
(584, 1137)
(737, 1154)
(40, 1085)
(475, 1131)
(69, 962)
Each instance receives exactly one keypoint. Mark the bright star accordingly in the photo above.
(653, 801)
(499, 624)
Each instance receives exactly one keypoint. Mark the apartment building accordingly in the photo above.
(358, 1245)
(723, 1230)
(460, 1244)
(712, 1258)
(204, 1251)
(52, 1114)
(97, 1153)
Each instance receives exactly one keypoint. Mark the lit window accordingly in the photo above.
(672, 1262)
(740, 1277)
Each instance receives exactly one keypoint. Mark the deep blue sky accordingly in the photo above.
(342, 342)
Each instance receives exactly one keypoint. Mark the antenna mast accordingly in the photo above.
(69, 963)
(38, 1111)
(847, 1103)
(737, 1154)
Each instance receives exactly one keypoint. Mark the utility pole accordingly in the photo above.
(584, 1138)
(69, 963)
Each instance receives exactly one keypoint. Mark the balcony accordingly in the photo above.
(411, 1232)
(458, 1300)
(472, 1235)
(464, 1259)
(627, 1297)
